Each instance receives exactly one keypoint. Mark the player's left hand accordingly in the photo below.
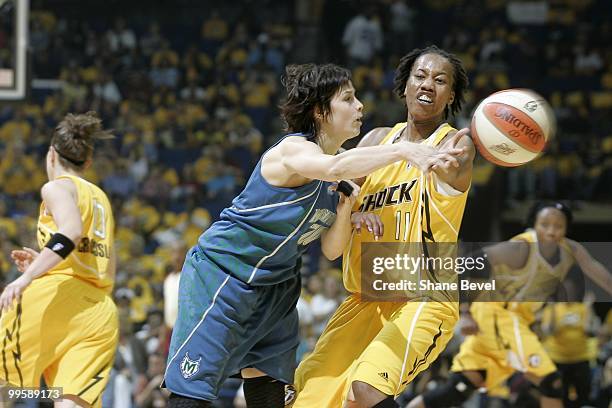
(346, 203)
(13, 291)
(371, 221)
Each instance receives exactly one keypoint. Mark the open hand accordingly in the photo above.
(23, 258)
(429, 158)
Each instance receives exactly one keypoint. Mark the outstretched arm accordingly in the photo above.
(299, 157)
(591, 267)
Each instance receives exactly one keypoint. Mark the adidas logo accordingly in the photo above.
(384, 375)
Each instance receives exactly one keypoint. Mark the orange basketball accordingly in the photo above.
(511, 127)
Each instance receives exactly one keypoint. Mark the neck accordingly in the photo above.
(415, 131)
(328, 144)
(65, 172)
(548, 249)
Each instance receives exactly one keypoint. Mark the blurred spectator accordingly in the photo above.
(402, 34)
(121, 37)
(171, 285)
(325, 300)
(363, 38)
(151, 396)
(153, 333)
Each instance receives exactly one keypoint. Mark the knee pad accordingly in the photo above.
(454, 392)
(178, 401)
(551, 386)
(264, 392)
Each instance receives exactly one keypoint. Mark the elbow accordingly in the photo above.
(337, 171)
(73, 233)
(331, 253)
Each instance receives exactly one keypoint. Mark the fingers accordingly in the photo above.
(30, 251)
(374, 224)
(7, 297)
(444, 162)
(357, 220)
(18, 254)
(455, 139)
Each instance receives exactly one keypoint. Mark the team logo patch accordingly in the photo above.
(290, 394)
(502, 148)
(385, 376)
(534, 360)
(57, 247)
(531, 106)
(189, 367)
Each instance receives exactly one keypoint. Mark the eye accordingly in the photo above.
(440, 81)
(419, 76)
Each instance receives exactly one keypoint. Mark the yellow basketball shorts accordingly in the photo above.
(503, 345)
(65, 329)
(382, 344)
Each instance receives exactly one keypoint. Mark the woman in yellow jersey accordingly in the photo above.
(500, 341)
(371, 350)
(569, 330)
(58, 317)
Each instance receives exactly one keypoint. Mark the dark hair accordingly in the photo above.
(460, 79)
(74, 137)
(540, 205)
(310, 86)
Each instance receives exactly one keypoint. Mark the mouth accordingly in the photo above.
(425, 99)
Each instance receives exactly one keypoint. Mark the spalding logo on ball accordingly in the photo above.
(512, 127)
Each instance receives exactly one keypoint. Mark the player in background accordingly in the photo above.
(529, 267)
(569, 330)
(240, 283)
(58, 319)
(371, 350)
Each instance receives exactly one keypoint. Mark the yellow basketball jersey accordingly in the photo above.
(90, 259)
(413, 207)
(537, 279)
(569, 343)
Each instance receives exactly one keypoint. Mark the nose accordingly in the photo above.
(427, 84)
(359, 105)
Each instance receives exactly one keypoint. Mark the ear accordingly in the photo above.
(53, 154)
(452, 98)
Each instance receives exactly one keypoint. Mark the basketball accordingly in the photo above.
(511, 127)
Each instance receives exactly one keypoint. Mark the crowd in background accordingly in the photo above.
(193, 102)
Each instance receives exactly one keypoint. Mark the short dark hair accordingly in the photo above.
(460, 78)
(74, 137)
(540, 205)
(310, 86)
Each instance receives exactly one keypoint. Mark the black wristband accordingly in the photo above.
(344, 188)
(60, 244)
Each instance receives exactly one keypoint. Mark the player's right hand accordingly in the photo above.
(23, 258)
(428, 158)
(468, 325)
